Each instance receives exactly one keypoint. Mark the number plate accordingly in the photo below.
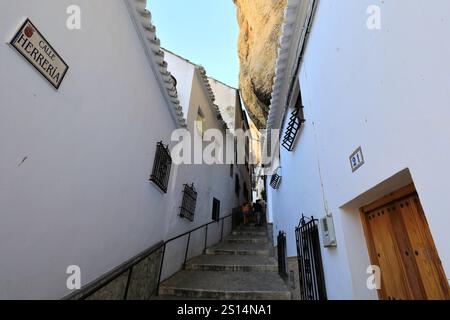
(357, 159)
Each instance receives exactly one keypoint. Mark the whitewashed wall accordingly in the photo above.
(82, 195)
(386, 91)
(227, 101)
(184, 74)
(209, 180)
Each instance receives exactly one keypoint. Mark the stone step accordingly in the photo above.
(239, 238)
(237, 263)
(251, 228)
(249, 233)
(261, 249)
(167, 297)
(226, 285)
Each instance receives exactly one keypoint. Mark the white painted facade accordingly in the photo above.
(228, 99)
(75, 163)
(210, 181)
(385, 90)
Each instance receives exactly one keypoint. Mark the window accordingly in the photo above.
(161, 167)
(189, 202)
(275, 181)
(295, 122)
(200, 122)
(216, 210)
(237, 186)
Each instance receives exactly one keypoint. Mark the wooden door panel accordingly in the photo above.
(400, 243)
(424, 251)
(406, 253)
(394, 284)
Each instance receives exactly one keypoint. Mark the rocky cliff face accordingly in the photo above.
(260, 28)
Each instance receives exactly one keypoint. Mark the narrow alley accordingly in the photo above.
(244, 150)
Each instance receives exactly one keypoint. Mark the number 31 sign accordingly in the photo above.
(357, 159)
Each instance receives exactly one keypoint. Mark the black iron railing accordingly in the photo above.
(188, 243)
(312, 280)
(127, 268)
(282, 255)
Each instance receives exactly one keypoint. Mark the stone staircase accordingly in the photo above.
(239, 268)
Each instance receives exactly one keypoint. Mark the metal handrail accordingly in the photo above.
(112, 275)
(127, 266)
(188, 233)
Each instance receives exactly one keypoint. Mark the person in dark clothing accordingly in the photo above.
(257, 209)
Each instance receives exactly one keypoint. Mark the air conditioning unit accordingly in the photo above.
(328, 234)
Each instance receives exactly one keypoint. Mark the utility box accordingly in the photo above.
(328, 234)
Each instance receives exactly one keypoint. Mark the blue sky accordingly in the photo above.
(202, 31)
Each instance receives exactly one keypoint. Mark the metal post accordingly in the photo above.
(187, 250)
(128, 283)
(160, 269)
(206, 238)
(221, 235)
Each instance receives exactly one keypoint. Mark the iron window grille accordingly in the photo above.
(295, 122)
(216, 210)
(275, 181)
(189, 202)
(161, 167)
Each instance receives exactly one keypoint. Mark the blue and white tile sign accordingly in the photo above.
(357, 159)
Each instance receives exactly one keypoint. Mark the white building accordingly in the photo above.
(228, 100)
(385, 90)
(75, 161)
(210, 181)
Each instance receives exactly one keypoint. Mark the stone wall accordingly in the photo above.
(124, 283)
(294, 281)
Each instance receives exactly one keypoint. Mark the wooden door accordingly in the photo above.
(400, 243)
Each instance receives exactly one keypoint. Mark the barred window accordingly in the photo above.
(189, 202)
(275, 181)
(161, 167)
(295, 122)
(216, 210)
